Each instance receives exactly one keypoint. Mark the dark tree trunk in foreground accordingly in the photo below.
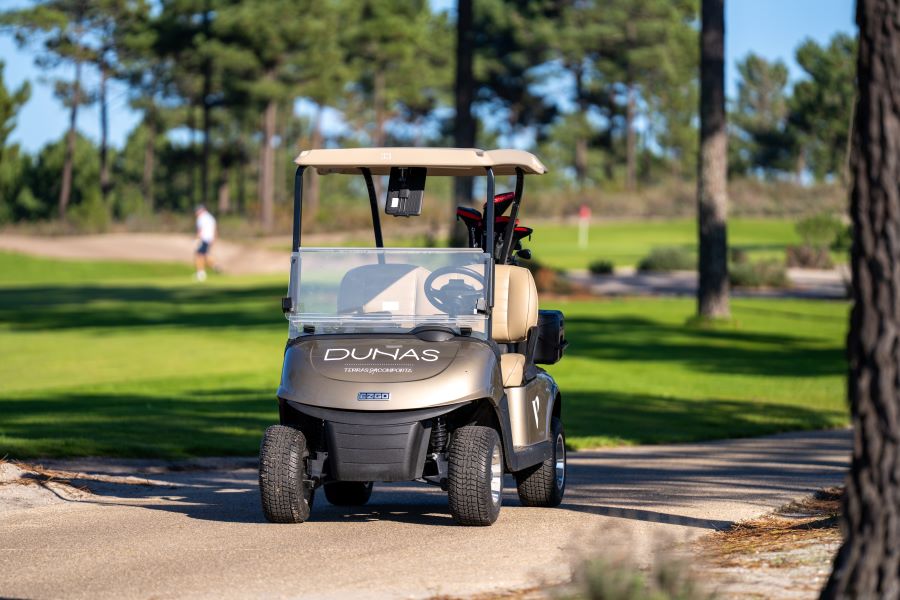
(868, 563)
(712, 199)
(463, 123)
(65, 188)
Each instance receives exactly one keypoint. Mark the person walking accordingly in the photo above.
(206, 235)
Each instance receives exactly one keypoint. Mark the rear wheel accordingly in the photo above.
(475, 475)
(544, 484)
(348, 493)
(286, 494)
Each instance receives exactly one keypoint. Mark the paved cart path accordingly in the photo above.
(199, 533)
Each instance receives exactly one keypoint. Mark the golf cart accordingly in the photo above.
(417, 364)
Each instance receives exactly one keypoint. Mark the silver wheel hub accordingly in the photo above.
(560, 462)
(496, 475)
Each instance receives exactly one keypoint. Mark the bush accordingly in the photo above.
(809, 257)
(603, 579)
(765, 273)
(546, 279)
(91, 215)
(844, 239)
(819, 231)
(668, 259)
(602, 267)
(739, 255)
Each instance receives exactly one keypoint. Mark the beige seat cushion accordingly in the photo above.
(515, 304)
(512, 366)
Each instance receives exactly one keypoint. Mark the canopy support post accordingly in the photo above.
(373, 204)
(513, 215)
(489, 244)
(298, 206)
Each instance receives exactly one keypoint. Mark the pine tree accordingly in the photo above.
(60, 27)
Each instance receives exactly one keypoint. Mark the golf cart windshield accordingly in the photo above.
(387, 290)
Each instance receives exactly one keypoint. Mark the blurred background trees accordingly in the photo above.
(228, 91)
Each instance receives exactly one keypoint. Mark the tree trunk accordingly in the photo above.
(104, 134)
(65, 188)
(630, 140)
(712, 199)
(207, 125)
(223, 203)
(464, 122)
(242, 184)
(799, 167)
(149, 160)
(207, 111)
(311, 198)
(581, 142)
(192, 126)
(868, 563)
(267, 175)
(279, 160)
(380, 136)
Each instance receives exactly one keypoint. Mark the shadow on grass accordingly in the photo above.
(97, 306)
(645, 418)
(635, 339)
(129, 424)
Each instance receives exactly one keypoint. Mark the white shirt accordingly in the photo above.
(206, 227)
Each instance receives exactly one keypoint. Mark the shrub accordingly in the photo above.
(603, 579)
(668, 259)
(602, 267)
(547, 279)
(809, 257)
(819, 231)
(91, 215)
(765, 273)
(844, 239)
(739, 255)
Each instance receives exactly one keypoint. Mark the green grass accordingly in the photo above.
(21, 269)
(626, 242)
(635, 372)
(147, 363)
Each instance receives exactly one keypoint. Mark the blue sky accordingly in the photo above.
(771, 28)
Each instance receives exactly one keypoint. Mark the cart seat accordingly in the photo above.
(515, 313)
(512, 366)
(398, 289)
(392, 288)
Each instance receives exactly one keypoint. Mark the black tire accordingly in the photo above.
(348, 493)
(541, 485)
(474, 454)
(286, 495)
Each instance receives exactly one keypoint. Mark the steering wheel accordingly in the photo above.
(456, 296)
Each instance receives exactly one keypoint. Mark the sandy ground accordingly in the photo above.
(231, 257)
(144, 529)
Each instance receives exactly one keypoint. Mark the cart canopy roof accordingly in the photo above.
(438, 161)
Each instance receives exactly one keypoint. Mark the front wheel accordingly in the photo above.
(475, 475)
(348, 493)
(286, 494)
(545, 483)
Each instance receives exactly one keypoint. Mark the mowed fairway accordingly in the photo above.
(625, 243)
(137, 360)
